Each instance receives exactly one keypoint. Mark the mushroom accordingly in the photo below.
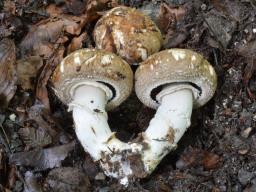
(129, 33)
(172, 81)
(89, 81)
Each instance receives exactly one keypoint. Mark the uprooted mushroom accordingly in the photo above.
(171, 81)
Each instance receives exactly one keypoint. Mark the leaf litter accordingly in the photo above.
(41, 33)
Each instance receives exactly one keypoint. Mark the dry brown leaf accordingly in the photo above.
(42, 38)
(31, 184)
(67, 179)
(42, 159)
(9, 6)
(3, 167)
(75, 7)
(77, 42)
(8, 76)
(232, 9)
(52, 62)
(27, 70)
(12, 176)
(33, 137)
(39, 114)
(47, 39)
(169, 16)
(94, 6)
(197, 157)
(248, 51)
(53, 10)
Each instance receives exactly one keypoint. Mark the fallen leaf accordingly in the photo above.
(210, 160)
(27, 70)
(33, 137)
(4, 189)
(42, 116)
(232, 9)
(76, 7)
(9, 6)
(42, 37)
(94, 6)
(77, 43)
(220, 28)
(3, 167)
(8, 76)
(52, 62)
(170, 21)
(53, 10)
(193, 157)
(169, 16)
(48, 38)
(67, 179)
(12, 176)
(248, 51)
(31, 183)
(42, 159)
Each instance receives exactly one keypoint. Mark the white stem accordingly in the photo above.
(123, 160)
(171, 120)
(91, 121)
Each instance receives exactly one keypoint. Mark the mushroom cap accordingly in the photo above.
(87, 66)
(129, 33)
(181, 67)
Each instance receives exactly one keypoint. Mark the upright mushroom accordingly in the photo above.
(129, 33)
(173, 82)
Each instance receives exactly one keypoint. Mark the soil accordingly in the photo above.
(38, 147)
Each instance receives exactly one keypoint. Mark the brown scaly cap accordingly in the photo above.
(185, 68)
(90, 65)
(129, 33)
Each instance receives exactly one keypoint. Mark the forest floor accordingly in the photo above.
(39, 150)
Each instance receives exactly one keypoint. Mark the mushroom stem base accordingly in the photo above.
(137, 158)
(170, 122)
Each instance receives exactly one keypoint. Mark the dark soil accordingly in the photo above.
(38, 147)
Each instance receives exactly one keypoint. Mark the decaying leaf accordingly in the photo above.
(8, 76)
(67, 179)
(43, 37)
(77, 42)
(33, 137)
(9, 6)
(42, 159)
(52, 62)
(47, 39)
(31, 183)
(168, 19)
(169, 16)
(3, 167)
(75, 7)
(220, 28)
(26, 78)
(43, 118)
(248, 51)
(94, 6)
(197, 157)
(232, 9)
